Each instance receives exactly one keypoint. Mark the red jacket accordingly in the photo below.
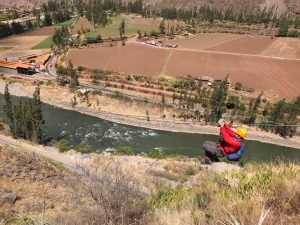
(231, 145)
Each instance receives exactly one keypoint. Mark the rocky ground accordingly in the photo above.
(35, 186)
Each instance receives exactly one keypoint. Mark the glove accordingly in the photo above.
(221, 122)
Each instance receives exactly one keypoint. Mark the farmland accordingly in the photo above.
(27, 40)
(133, 24)
(132, 59)
(254, 61)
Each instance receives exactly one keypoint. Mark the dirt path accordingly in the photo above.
(66, 160)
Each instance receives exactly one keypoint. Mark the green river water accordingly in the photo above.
(103, 135)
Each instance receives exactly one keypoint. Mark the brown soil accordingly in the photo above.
(45, 31)
(139, 21)
(81, 23)
(132, 59)
(284, 47)
(18, 42)
(27, 40)
(204, 41)
(39, 183)
(244, 45)
(282, 76)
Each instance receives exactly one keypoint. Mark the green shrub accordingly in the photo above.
(84, 149)
(156, 154)
(168, 197)
(190, 171)
(62, 145)
(124, 150)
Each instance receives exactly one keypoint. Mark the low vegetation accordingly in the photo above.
(45, 44)
(124, 150)
(269, 189)
(113, 193)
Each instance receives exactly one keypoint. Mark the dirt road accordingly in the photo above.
(47, 152)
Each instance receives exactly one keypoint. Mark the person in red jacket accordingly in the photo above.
(230, 144)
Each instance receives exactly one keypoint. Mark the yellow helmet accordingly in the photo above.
(242, 132)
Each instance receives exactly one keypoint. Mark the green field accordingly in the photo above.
(66, 23)
(47, 43)
(112, 30)
(3, 17)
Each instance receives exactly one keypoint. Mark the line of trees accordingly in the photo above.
(206, 13)
(281, 118)
(95, 10)
(14, 28)
(25, 117)
(211, 104)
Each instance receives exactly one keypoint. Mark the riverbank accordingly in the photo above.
(113, 110)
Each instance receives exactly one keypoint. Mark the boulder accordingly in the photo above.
(10, 197)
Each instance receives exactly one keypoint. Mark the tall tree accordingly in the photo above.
(162, 27)
(8, 104)
(217, 101)
(122, 29)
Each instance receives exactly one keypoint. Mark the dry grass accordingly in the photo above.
(242, 195)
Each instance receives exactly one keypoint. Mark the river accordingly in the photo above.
(103, 135)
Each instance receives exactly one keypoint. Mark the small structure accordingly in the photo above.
(17, 67)
(159, 44)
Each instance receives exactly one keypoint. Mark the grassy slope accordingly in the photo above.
(66, 23)
(112, 30)
(243, 194)
(47, 43)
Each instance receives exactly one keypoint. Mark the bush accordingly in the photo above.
(84, 149)
(156, 154)
(154, 33)
(124, 150)
(238, 86)
(62, 145)
(190, 171)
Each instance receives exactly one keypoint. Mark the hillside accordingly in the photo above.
(237, 5)
(170, 191)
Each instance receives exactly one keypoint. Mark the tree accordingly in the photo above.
(29, 25)
(122, 29)
(8, 104)
(47, 20)
(217, 101)
(17, 28)
(74, 83)
(162, 27)
(25, 117)
(37, 115)
(283, 29)
(14, 13)
(238, 86)
(253, 110)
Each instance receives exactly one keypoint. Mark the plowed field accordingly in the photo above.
(254, 61)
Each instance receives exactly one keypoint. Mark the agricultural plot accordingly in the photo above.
(133, 24)
(204, 41)
(26, 40)
(260, 73)
(80, 25)
(131, 59)
(284, 47)
(255, 71)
